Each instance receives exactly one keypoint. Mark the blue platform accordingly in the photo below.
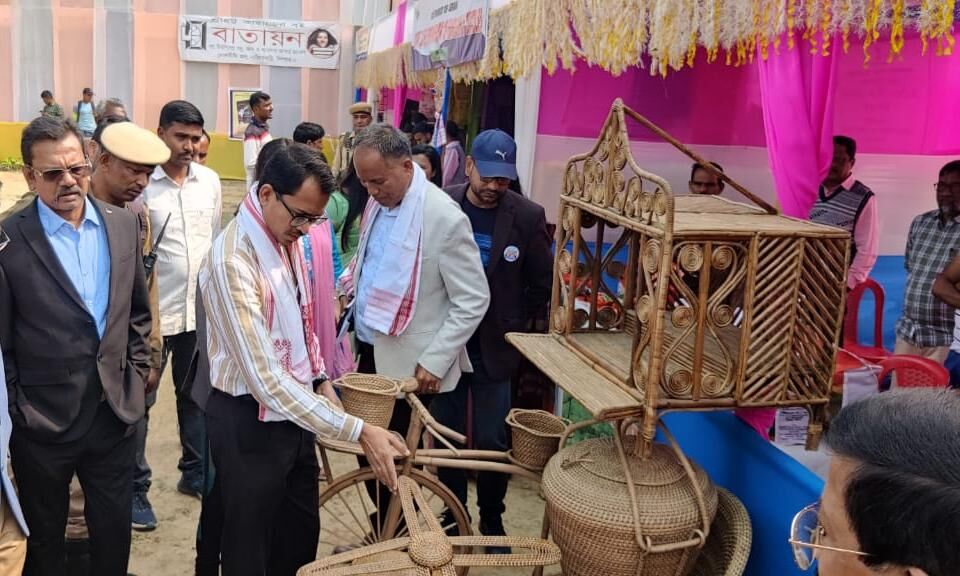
(772, 486)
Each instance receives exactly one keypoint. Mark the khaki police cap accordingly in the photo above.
(361, 108)
(129, 142)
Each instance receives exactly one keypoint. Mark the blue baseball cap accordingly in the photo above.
(495, 154)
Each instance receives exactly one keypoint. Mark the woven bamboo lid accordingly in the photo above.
(588, 481)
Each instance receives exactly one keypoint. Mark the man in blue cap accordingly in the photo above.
(511, 232)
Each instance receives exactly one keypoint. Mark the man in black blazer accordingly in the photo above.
(511, 233)
(74, 322)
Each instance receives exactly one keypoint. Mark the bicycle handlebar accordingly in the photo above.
(430, 422)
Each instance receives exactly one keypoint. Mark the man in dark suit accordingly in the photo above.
(511, 233)
(74, 322)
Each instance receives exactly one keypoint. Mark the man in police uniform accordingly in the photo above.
(125, 156)
(362, 114)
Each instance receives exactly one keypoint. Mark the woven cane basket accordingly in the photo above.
(536, 436)
(368, 396)
(600, 532)
(728, 547)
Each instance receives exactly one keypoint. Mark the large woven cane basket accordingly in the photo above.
(600, 532)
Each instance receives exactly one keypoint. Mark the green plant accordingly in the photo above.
(11, 164)
(575, 412)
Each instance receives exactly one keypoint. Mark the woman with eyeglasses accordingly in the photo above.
(891, 505)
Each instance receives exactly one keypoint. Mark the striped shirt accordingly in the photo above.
(931, 245)
(239, 346)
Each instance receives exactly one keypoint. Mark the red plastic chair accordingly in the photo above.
(914, 372)
(875, 352)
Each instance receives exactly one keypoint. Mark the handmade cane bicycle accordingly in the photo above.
(349, 503)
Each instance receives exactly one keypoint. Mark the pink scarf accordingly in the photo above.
(289, 312)
(338, 356)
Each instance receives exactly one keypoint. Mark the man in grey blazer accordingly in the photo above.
(74, 322)
(13, 528)
(451, 294)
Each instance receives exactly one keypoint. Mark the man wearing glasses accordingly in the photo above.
(891, 505)
(74, 322)
(125, 157)
(926, 327)
(270, 397)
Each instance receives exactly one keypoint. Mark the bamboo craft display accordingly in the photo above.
(428, 551)
(720, 304)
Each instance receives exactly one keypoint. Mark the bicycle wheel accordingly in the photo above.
(348, 518)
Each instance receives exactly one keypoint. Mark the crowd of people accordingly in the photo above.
(427, 257)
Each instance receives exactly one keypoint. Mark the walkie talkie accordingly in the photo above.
(150, 260)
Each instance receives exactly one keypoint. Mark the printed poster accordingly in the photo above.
(240, 112)
(255, 41)
(448, 32)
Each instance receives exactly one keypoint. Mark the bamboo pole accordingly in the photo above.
(478, 465)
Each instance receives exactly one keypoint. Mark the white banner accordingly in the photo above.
(448, 32)
(269, 42)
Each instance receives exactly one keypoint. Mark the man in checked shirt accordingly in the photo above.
(926, 327)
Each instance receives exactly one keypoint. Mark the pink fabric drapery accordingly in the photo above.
(797, 90)
(337, 356)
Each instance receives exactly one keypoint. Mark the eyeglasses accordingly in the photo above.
(298, 220)
(4, 239)
(55, 175)
(943, 187)
(806, 533)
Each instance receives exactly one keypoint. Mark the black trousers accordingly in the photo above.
(269, 483)
(491, 404)
(189, 416)
(103, 462)
(210, 526)
(399, 422)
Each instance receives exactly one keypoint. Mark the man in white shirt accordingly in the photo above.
(185, 203)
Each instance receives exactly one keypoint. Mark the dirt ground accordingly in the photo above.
(169, 550)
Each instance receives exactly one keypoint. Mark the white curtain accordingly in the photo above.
(526, 113)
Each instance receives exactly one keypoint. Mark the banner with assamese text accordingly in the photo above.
(291, 43)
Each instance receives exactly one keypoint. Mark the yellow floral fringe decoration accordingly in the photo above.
(616, 35)
(896, 33)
